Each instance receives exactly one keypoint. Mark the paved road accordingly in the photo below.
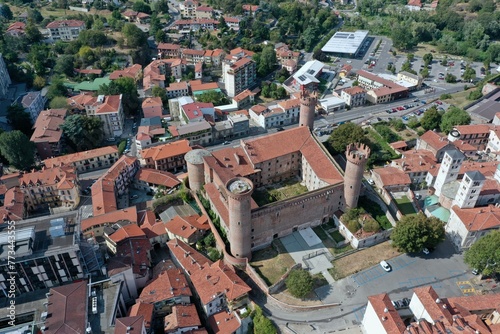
(443, 269)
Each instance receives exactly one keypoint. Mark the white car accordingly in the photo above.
(426, 251)
(385, 265)
(371, 182)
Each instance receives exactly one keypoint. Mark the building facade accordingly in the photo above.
(238, 75)
(65, 30)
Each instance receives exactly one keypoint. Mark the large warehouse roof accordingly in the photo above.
(345, 42)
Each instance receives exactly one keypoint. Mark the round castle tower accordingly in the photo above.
(239, 194)
(357, 155)
(196, 168)
(307, 108)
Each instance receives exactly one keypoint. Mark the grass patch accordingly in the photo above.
(386, 133)
(379, 140)
(337, 236)
(376, 211)
(278, 192)
(320, 233)
(405, 206)
(361, 260)
(341, 250)
(459, 99)
(271, 264)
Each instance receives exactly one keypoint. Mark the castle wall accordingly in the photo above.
(279, 219)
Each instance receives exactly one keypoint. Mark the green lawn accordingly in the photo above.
(405, 206)
(337, 236)
(270, 264)
(374, 209)
(290, 188)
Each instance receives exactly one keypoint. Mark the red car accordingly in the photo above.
(400, 108)
(439, 102)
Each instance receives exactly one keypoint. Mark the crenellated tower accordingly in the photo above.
(357, 156)
(308, 103)
(239, 195)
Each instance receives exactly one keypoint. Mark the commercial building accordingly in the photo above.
(379, 89)
(65, 30)
(307, 77)
(346, 44)
(354, 96)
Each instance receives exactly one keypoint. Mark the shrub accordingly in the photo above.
(371, 226)
(353, 226)
(299, 283)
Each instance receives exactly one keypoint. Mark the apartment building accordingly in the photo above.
(33, 103)
(109, 109)
(4, 79)
(157, 72)
(476, 135)
(169, 50)
(55, 187)
(168, 157)
(134, 72)
(188, 8)
(186, 26)
(354, 96)
(238, 75)
(177, 89)
(233, 23)
(47, 134)
(152, 107)
(197, 133)
(65, 30)
(86, 161)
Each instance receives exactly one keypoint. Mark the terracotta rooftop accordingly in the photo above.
(224, 322)
(218, 279)
(144, 310)
(152, 107)
(170, 284)
(129, 72)
(138, 250)
(157, 177)
(126, 232)
(398, 145)
(60, 177)
(189, 259)
(416, 161)
(428, 297)
(472, 129)
(204, 86)
(103, 197)
(123, 215)
(129, 325)
(168, 46)
(13, 205)
(434, 140)
(65, 23)
(389, 317)
(80, 156)
(179, 147)
(289, 104)
(47, 126)
(182, 316)
(81, 100)
(67, 308)
(183, 85)
(479, 219)
(486, 168)
(185, 227)
(111, 104)
(354, 90)
(391, 176)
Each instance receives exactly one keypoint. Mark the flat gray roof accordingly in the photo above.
(345, 42)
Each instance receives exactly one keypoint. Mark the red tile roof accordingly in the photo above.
(129, 72)
(70, 159)
(144, 310)
(434, 140)
(224, 322)
(152, 107)
(428, 297)
(65, 23)
(182, 316)
(47, 126)
(129, 325)
(189, 259)
(60, 177)
(479, 219)
(123, 215)
(157, 177)
(416, 161)
(168, 46)
(186, 227)
(391, 176)
(13, 207)
(289, 104)
(218, 279)
(165, 151)
(111, 104)
(471, 129)
(126, 232)
(170, 284)
(138, 250)
(67, 309)
(354, 90)
(389, 317)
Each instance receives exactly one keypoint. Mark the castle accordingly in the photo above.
(229, 177)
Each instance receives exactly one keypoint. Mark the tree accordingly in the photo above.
(59, 102)
(161, 6)
(161, 93)
(217, 98)
(299, 283)
(161, 36)
(134, 36)
(16, 147)
(19, 119)
(484, 254)
(56, 88)
(427, 58)
(431, 119)
(424, 73)
(39, 82)
(454, 116)
(65, 65)
(416, 232)
(413, 122)
(410, 57)
(261, 324)
(93, 38)
(469, 73)
(346, 134)
(33, 35)
(84, 132)
(6, 12)
(126, 87)
(140, 6)
(450, 78)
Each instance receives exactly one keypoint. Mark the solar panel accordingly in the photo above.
(311, 71)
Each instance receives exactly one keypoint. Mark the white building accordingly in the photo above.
(4, 79)
(332, 104)
(33, 103)
(284, 113)
(354, 96)
(238, 75)
(448, 171)
(493, 145)
(469, 190)
(65, 30)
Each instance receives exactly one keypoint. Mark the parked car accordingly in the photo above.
(385, 266)
(426, 251)
(226, 143)
(439, 102)
(371, 182)
(475, 271)
(405, 118)
(281, 129)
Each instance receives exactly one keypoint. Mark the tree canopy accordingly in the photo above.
(416, 232)
(484, 254)
(134, 36)
(346, 134)
(261, 324)
(85, 133)
(17, 149)
(217, 98)
(299, 283)
(454, 116)
(431, 119)
(19, 119)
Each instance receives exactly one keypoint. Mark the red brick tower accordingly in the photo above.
(239, 193)
(307, 108)
(196, 168)
(357, 155)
